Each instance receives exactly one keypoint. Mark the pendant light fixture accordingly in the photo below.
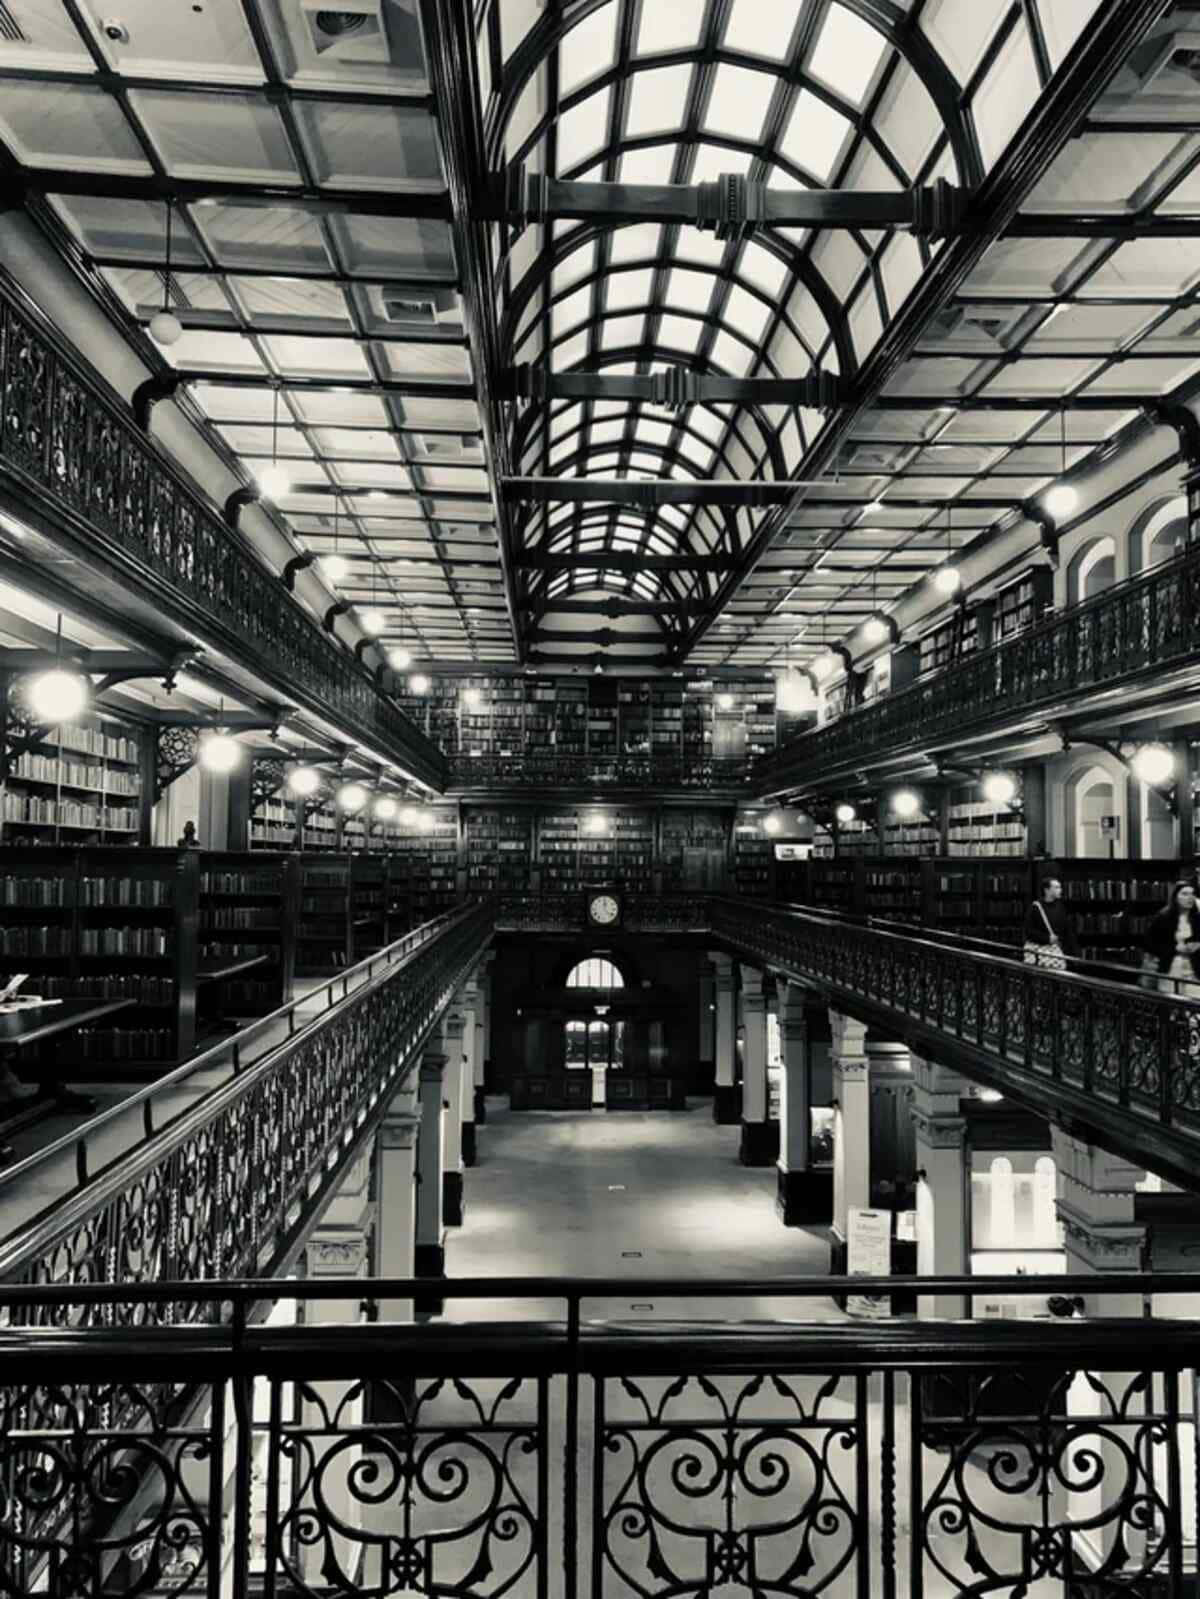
(60, 694)
(371, 619)
(400, 656)
(220, 752)
(165, 327)
(274, 480)
(334, 566)
(1061, 498)
(826, 662)
(947, 578)
(875, 629)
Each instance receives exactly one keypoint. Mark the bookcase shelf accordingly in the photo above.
(80, 782)
(109, 923)
(753, 858)
(249, 909)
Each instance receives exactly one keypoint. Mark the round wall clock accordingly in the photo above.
(604, 908)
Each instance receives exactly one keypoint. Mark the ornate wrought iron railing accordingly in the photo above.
(559, 769)
(1142, 626)
(1122, 1058)
(70, 448)
(597, 1458)
(231, 1184)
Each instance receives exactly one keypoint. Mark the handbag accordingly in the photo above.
(1048, 955)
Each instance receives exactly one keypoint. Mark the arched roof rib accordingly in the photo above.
(626, 93)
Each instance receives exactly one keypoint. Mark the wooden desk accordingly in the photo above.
(28, 1039)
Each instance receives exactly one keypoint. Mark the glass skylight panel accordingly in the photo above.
(76, 125)
(847, 53)
(670, 25)
(583, 130)
(570, 312)
(638, 242)
(764, 270)
(738, 103)
(627, 289)
(713, 161)
(574, 350)
(657, 99)
(679, 333)
(1005, 95)
(707, 423)
(231, 136)
(750, 31)
(704, 248)
(815, 136)
(689, 291)
(746, 313)
(588, 48)
(574, 266)
(653, 164)
(618, 331)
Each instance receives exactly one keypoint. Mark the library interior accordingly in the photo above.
(599, 767)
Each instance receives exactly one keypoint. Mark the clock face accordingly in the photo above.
(604, 909)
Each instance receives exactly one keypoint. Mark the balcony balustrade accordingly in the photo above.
(1142, 629)
(556, 769)
(591, 1455)
(232, 1185)
(70, 452)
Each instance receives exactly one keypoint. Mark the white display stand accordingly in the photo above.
(868, 1254)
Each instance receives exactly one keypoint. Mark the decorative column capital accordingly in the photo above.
(722, 965)
(399, 1132)
(848, 1035)
(752, 981)
(1101, 1246)
(454, 1025)
(848, 1069)
(433, 1065)
(939, 1132)
(333, 1256)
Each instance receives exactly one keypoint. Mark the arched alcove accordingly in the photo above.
(1158, 534)
(1093, 569)
(1091, 797)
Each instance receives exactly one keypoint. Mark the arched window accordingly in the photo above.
(595, 972)
(1004, 1204)
(1045, 1209)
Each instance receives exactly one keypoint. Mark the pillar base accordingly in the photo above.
(480, 1107)
(727, 1104)
(429, 1260)
(468, 1144)
(760, 1144)
(805, 1198)
(452, 1199)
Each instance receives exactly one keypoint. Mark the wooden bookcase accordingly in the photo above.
(249, 907)
(1023, 602)
(949, 642)
(369, 904)
(79, 784)
(110, 923)
(1112, 903)
(558, 851)
(325, 935)
(428, 862)
(694, 850)
(753, 858)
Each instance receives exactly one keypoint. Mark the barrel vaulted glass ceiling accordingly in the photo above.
(336, 197)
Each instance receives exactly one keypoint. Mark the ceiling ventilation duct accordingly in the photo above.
(349, 30)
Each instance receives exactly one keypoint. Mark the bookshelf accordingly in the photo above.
(540, 719)
(694, 849)
(109, 923)
(1023, 602)
(496, 841)
(558, 851)
(894, 889)
(977, 827)
(79, 784)
(944, 645)
(1111, 907)
(324, 936)
(753, 858)
(273, 824)
(919, 837)
(369, 904)
(248, 910)
(427, 861)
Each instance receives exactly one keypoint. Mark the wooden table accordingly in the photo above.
(28, 1039)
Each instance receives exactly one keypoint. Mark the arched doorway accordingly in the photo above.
(1091, 814)
(594, 1041)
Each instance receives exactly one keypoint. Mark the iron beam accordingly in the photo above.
(626, 561)
(413, 389)
(731, 207)
(675, 387)
(418, 205)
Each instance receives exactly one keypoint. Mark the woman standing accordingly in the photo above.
(1049, 936)
(1173, 943)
